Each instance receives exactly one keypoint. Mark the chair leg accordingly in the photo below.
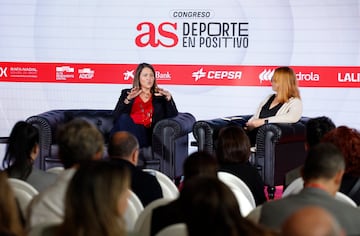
(271, 192)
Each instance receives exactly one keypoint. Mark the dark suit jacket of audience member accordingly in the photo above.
(166, 215)
(143, 184)
(347, 183)
(250, 176)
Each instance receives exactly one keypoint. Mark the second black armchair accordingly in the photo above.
(280, 147)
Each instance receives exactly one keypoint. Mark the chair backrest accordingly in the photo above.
(168, 187)
(56, 170)
(174, 230)
(143, 222)
(133, 211)
(298, 184)
(235, 182)
(245, 205)
(294, 187)
(344, 198)
(24, 192)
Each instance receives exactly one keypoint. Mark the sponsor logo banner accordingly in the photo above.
(215, 75)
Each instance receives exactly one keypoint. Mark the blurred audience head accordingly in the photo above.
(96, 200)
(200, 164)
(324, 163)
(311, 221)
(211, 208)
(316, 128)
(125, 146)
(233, 145)
(285, 84)
(348, 141)
(10, 218)
(79, 141)
(22, 150)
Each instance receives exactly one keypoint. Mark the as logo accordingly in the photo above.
(153, 36)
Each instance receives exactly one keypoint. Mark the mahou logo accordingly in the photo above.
(157, 35)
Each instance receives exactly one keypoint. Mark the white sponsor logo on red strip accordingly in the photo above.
(3, 72)
(216, 74)
(266, 75)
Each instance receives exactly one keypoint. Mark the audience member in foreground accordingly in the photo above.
(198, 164)
(21, 152)
(79, 141)
(322, 174)
(211, 208)
(316, 128)
(10, 217)
(311, 221)
(348, 141)
(233, 153)
(96, 201)
(124, 150)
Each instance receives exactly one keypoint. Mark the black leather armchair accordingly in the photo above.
(169, 142)
(279, 147)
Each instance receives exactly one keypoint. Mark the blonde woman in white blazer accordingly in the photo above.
(284, 106)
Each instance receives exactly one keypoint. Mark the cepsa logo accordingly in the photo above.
(216, 74)
(157, 35)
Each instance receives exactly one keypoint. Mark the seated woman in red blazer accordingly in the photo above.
(140, 108)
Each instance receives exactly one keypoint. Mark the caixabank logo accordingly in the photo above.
(193, 29)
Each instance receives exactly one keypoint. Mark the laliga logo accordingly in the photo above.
(155, 36)
(266, 75)
(3, 72)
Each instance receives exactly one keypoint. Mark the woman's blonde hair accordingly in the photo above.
(91, 202)
(287, 84)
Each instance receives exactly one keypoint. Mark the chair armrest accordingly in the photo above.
(280, 147)
(170, 142)
(206, 131)
(270, 134)
(46, 123)
(181, 125)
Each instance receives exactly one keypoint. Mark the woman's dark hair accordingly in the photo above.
(211, 208)
(22, 141)
(136, 81)
(316, 128)
(233, 145)
(200, 163)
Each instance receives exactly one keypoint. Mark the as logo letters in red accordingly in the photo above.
(162, 35)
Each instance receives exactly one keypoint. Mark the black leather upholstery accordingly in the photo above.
(169, 147)
(279, 147)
